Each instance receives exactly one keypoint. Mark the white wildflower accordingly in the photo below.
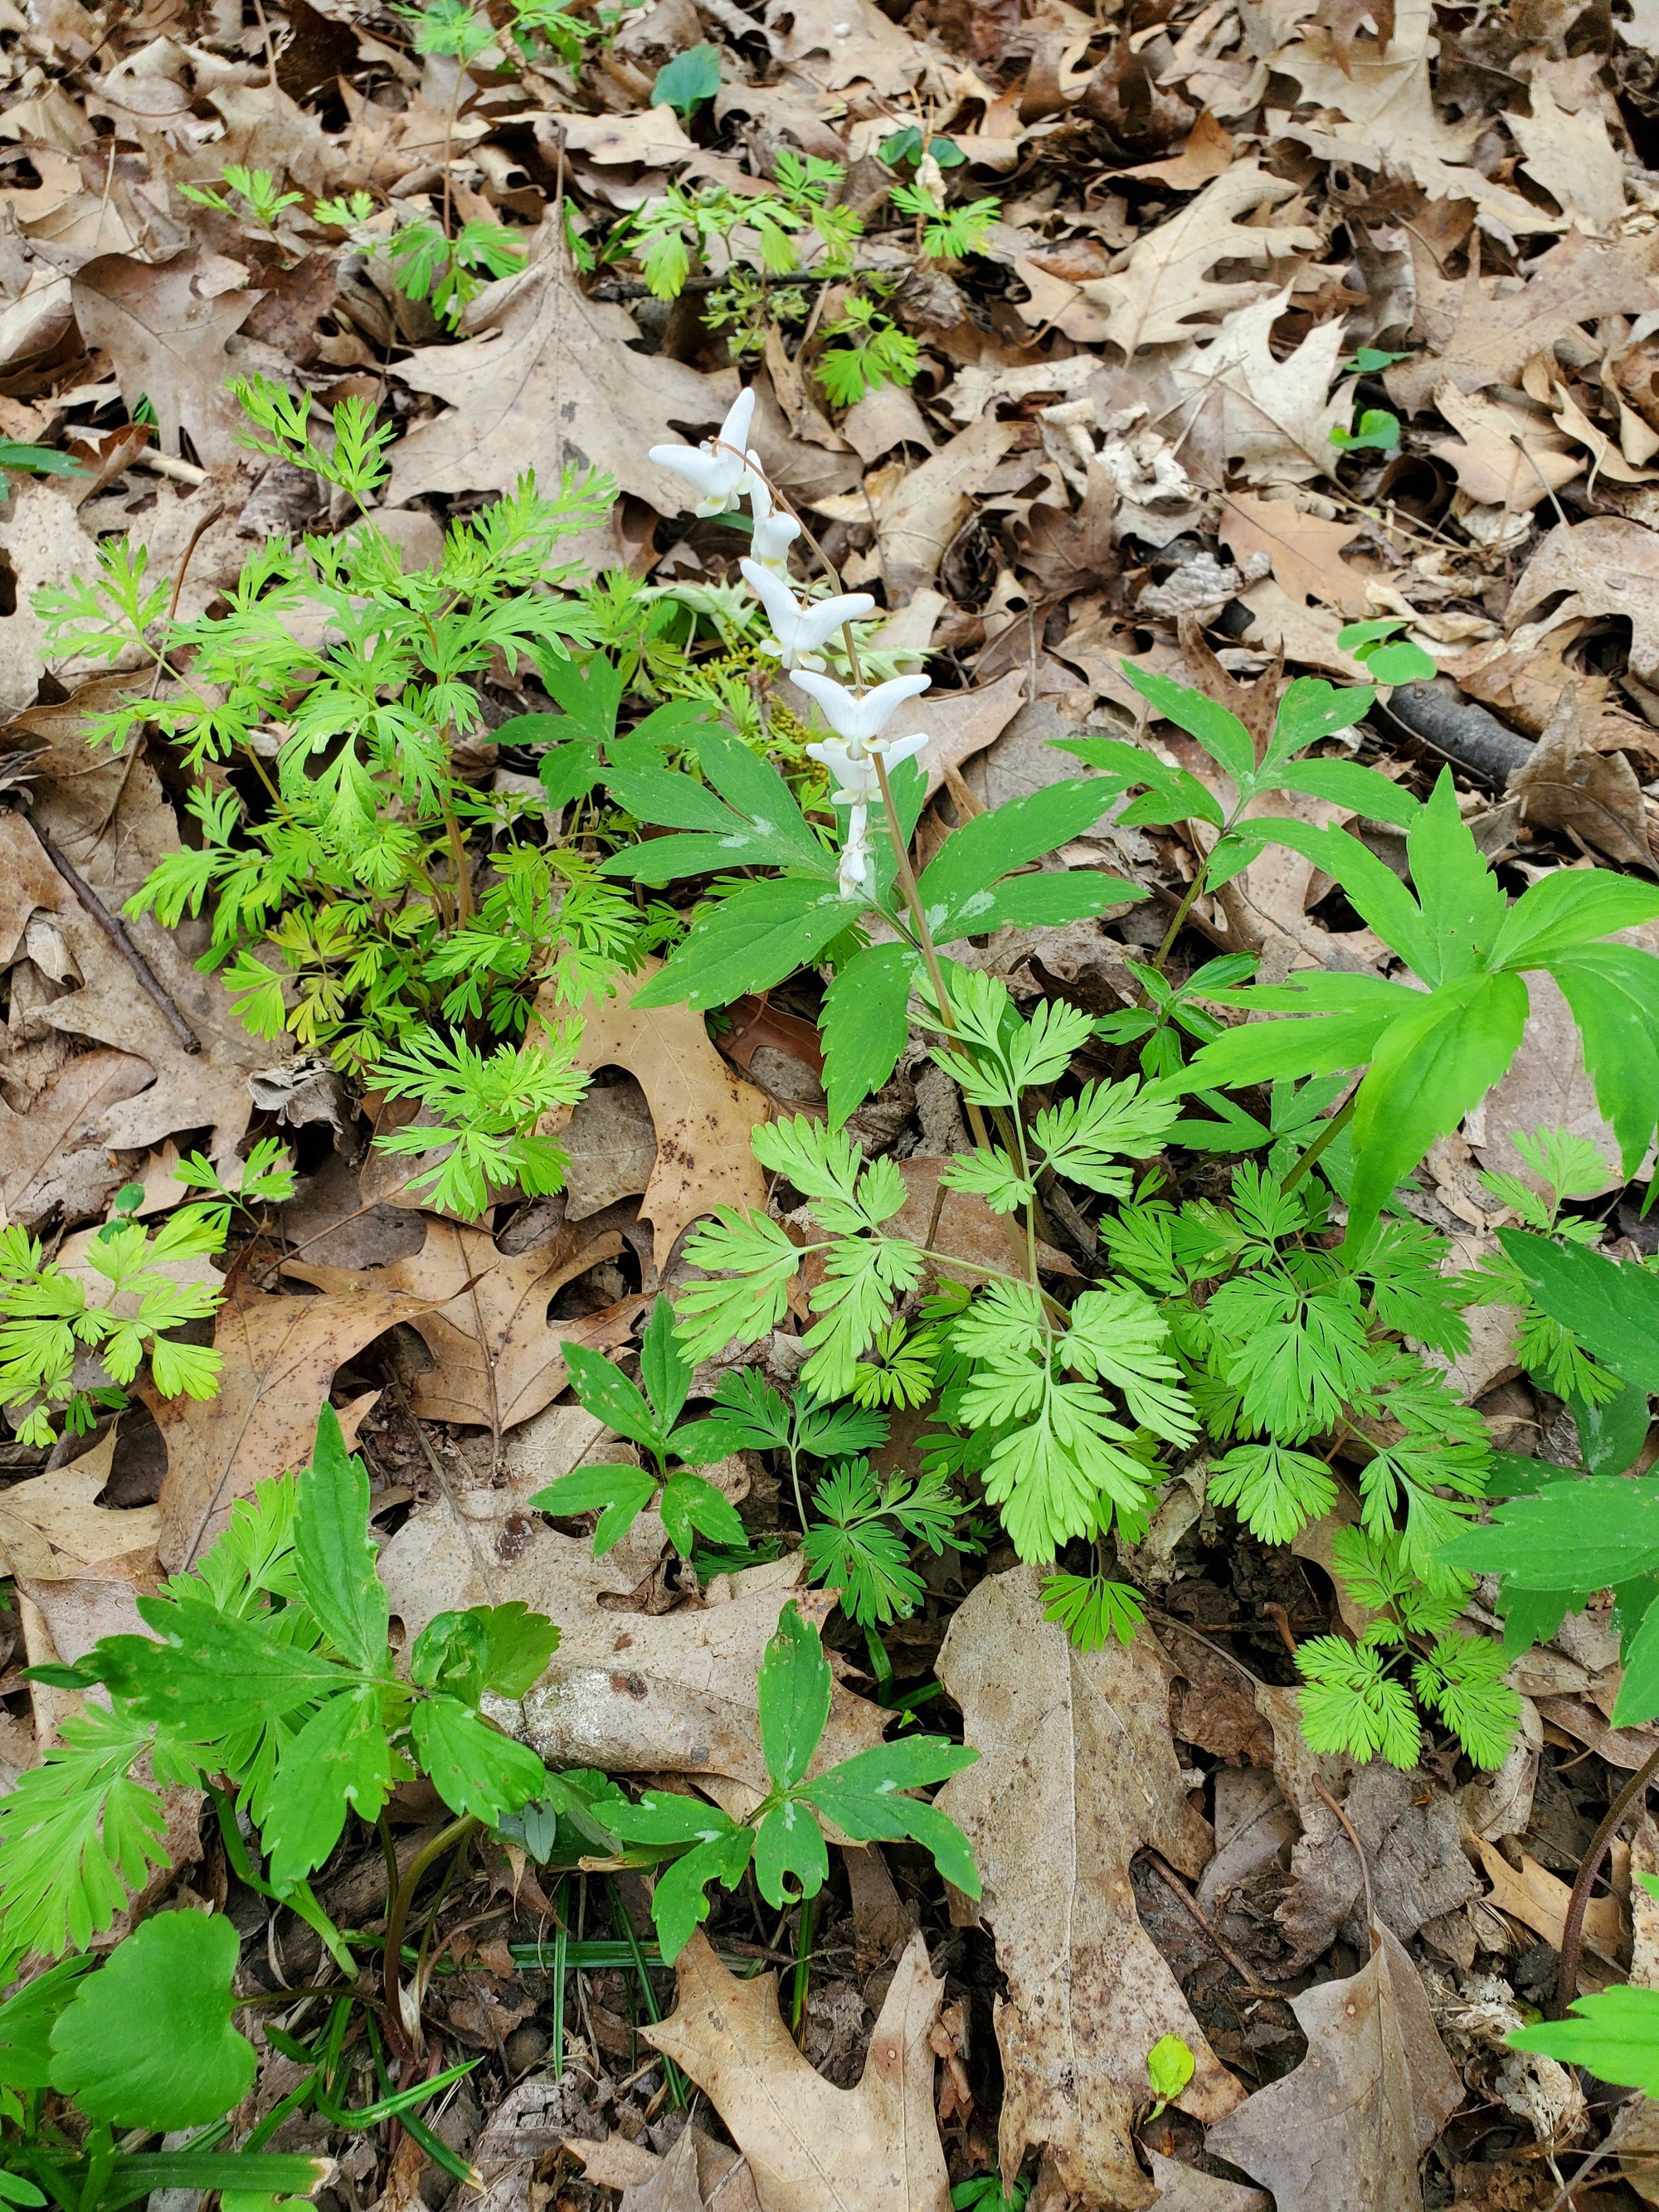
(860, 716)
(799, 627)
(722, 469)
(774, 532)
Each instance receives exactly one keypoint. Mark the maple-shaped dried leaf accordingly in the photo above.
(1274, 417)
(1350, 2124)
(483, 1316)
(1165, 287)
(555, 384)
(168, 343)
(279, 1356)
(811, 2147)
(1305, 550)
(1076, 1772)
(703, 1117)
(632, 1693)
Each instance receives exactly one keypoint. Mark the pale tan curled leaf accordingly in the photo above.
(632, 1692)
(1189, 2189)
(1571, 155)
(1567, 784)
(1077, 1774)
(1165, 287)
(703, 1115)
(50, 1530)
(654, 135)
(44, 543)
(28, 884)
(1274, 417)
(553, 384)
(811, 2147)
(1479, 335)
(168, 344)
(279, 1357)
(483, 1316)
(1376, 108)
(1349, 2126)
(1502, 456)
(1305, 550)
(1607, 565)
(61, 1143)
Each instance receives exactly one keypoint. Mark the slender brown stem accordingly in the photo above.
(396, 1919)
(1333, 1128)
(116, 931)
(1572, 1927)
(1166, 1874)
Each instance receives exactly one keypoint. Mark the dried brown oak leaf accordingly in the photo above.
(1272, 417)
(280, 1355)
(28, 883)
(484, 1317)
(1305, 550)
(56, 1152)
(811, 2147)
(1607, 565)
(1076, 1772)
(1348, 2127)
(1478, 337)
(1165, 288)
(632, 1693)
(554, 384)
(918, 512)
(169, 344)
(831, 42)
(703, 1115)
(1567, 784)
(44, 543)
(51, 1530)
(1571, 155)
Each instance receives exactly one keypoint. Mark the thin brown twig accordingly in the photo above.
(116, 931)
(1572, 1927)
(1167, 1875)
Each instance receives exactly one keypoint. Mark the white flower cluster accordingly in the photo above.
(723, 470)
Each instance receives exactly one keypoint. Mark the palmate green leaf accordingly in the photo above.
(333, 1553)
(1347, 783)
(1427, 1071)
(795, 1686)
(1578, 1536)
(691, 1507)
(604, 1391)
(854, 1550)
(863, 1026)
(748, 941)
(77, 1835)
(148, 2041)
(1462, 903)
(618, 1494)
(1049, 897)
(473, 1766)
(1613, 1309)
(1614, 2033)
(865, 1797)
(1347, 1014)
(340, 1761)
(791, 1860)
